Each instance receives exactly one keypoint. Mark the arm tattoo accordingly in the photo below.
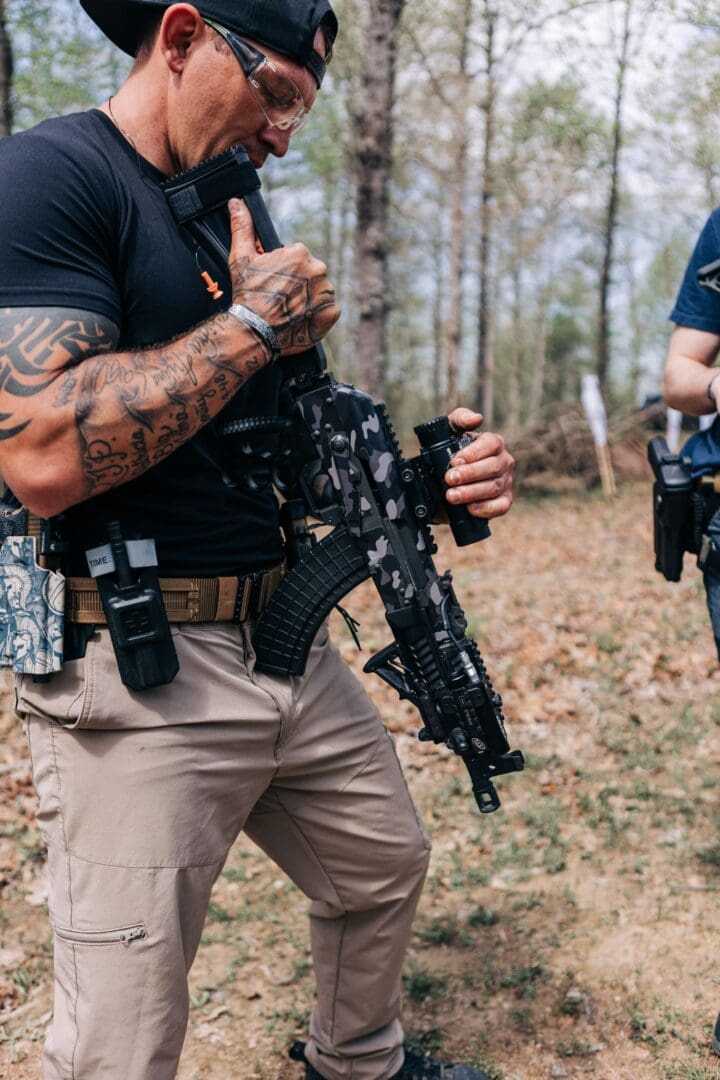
(134, 409)
(284, 299)
(36, 343)
(130, 409)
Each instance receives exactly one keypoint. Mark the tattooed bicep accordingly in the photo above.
(36, 346)
(37, 343)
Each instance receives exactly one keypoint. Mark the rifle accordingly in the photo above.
(342, 465)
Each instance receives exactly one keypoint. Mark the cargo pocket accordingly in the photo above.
(67, 697)
(123, 935)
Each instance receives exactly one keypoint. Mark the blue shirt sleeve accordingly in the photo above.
(698, 307)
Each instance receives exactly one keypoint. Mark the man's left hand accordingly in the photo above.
(481, 474)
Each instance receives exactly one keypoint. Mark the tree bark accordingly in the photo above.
(453, 336)
(457, 244)
(485, 369)
(437, 372)
(373, 157)
(512, 422)
(603, 340)
(537, 381)
(6, 74)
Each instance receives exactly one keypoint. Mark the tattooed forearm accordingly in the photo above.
(166, 395)
(115, 414)
(140, 460)
(68, 386)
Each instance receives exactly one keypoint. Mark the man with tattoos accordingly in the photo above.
(117, 368)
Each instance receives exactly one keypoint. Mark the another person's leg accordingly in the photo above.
(712, 592)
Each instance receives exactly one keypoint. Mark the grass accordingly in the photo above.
(443, 930)
(483, 916)
(420, 984)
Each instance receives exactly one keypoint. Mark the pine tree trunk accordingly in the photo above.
(453, 341)
(537, 381)
(453, 337)
(437, 371)
(603, 342)
(373, 159)
(516, 345)
(6, 74)
(345, 361)
(485, 370)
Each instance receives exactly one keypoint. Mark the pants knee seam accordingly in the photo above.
(368, 760)
(295, 824)
(337, 977)
(68, 863)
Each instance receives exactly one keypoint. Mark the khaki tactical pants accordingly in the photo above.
(141, 797)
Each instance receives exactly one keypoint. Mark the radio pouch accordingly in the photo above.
(673, 509)
(32, 610)
(129, 588)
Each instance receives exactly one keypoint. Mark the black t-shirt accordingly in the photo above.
(84, 224)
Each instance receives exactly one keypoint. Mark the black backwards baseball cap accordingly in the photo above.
(287, 26)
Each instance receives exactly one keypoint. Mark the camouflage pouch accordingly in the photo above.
(32, 607)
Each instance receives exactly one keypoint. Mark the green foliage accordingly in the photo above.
(443, 930)
(62, 62)
(483, 916)
(551, 138)
(421, 984)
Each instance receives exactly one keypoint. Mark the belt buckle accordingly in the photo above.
(255, 590)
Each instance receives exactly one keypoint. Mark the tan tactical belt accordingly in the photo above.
(187, 600)
(709, 482)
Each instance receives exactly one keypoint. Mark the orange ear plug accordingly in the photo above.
(212, 286)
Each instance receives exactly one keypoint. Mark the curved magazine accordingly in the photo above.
(300, 604)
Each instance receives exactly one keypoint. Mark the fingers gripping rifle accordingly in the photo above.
(346, 469)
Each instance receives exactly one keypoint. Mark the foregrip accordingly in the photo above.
(304, 599)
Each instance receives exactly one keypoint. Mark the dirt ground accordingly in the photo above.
(573, 933)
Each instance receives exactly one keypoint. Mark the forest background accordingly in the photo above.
(506, 195)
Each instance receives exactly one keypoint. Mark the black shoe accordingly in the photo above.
(414, 1067)
(715, 1039)
(420, 1067)
(297, 1053)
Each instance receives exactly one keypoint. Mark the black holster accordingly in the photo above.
(673, 508)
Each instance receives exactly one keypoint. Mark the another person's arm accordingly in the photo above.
(695, 341)
(691, 354)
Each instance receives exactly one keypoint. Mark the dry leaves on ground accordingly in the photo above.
(572, 934)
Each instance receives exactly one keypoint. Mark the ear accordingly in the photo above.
(181, 27)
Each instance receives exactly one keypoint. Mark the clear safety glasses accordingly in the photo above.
(277, 95)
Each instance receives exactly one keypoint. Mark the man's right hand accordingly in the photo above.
(288, 288)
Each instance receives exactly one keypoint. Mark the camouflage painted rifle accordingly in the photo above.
(343, 466)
